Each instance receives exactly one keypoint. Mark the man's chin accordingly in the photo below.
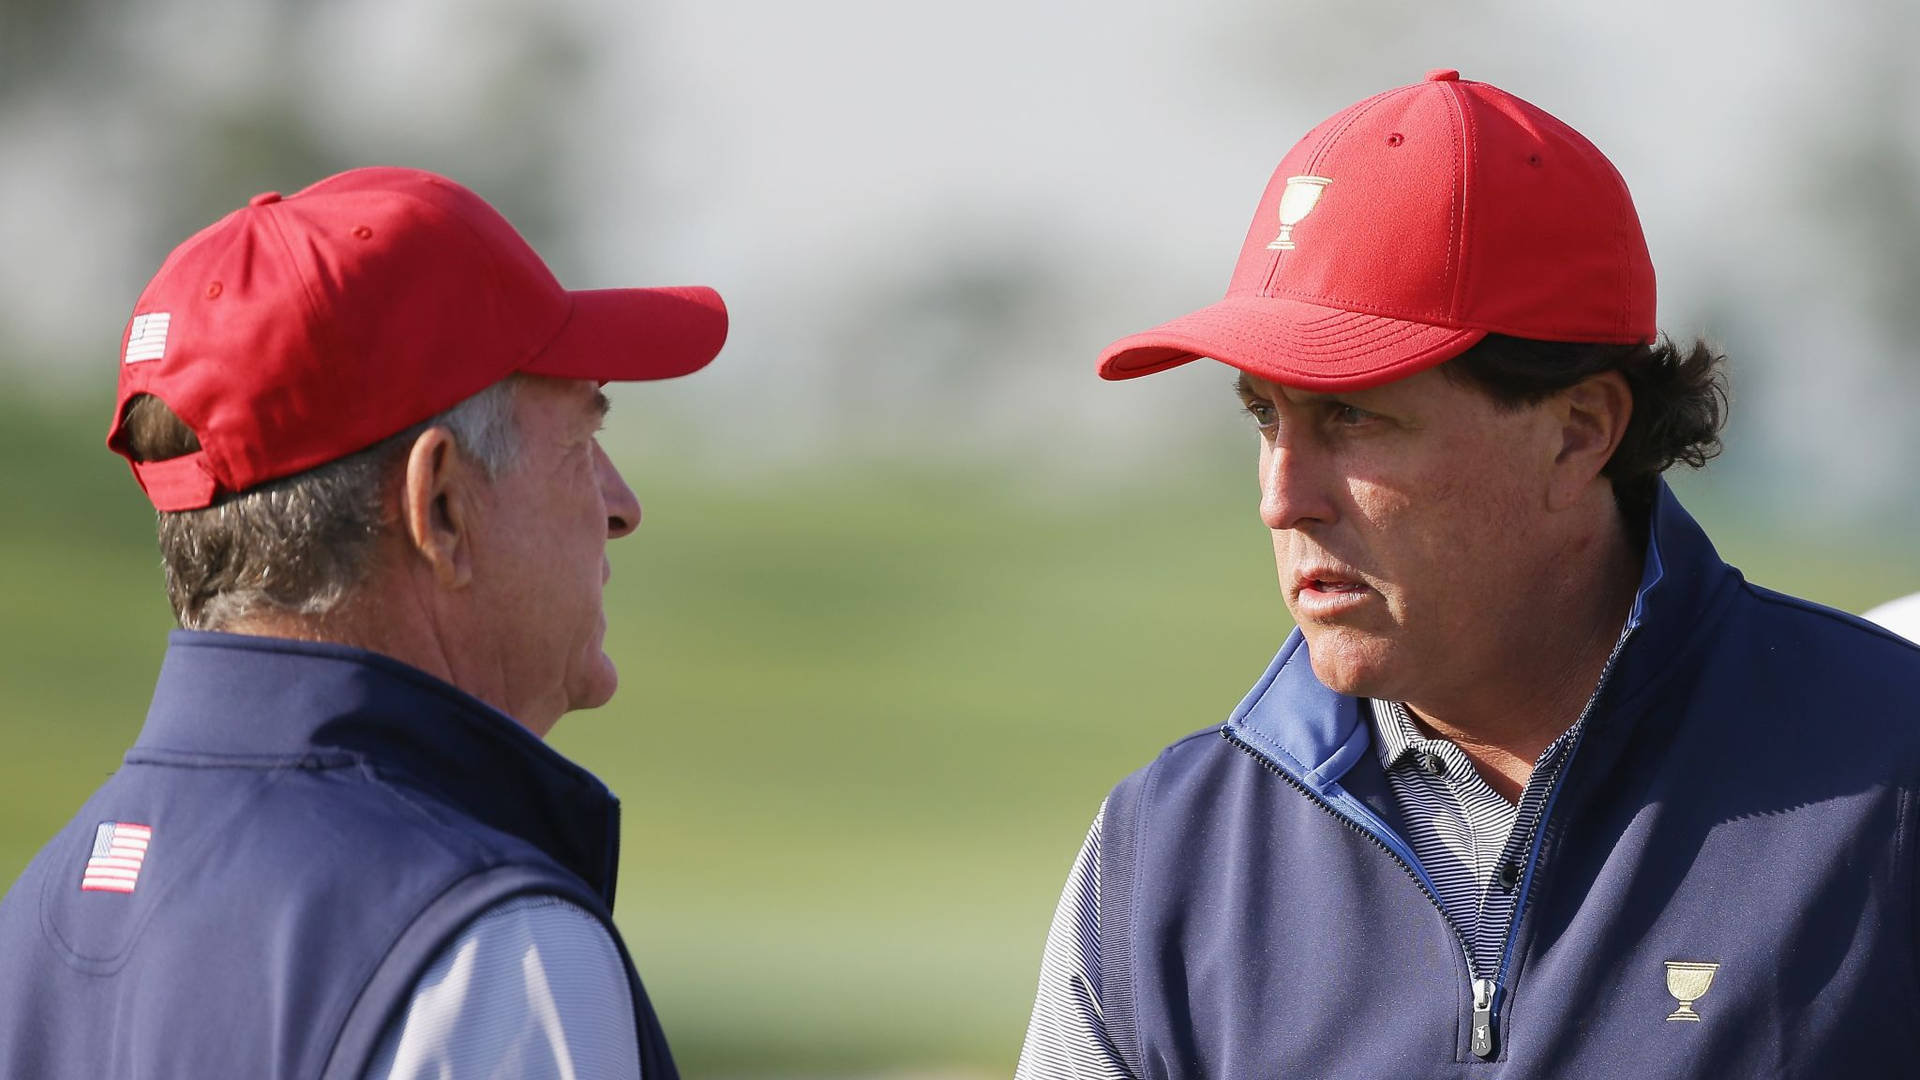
(1347, 661)
(597, 688)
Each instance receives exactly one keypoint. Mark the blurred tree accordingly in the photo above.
(37, 36)
(195, 105)
(960, 351)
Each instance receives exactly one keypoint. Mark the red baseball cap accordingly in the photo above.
(1403, 230)
(298, 330)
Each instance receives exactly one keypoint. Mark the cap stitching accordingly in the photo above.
(573, 308)
(1620, 239)
(314, 321)
(494, 268)
(1557, 332)
(1623, 246)
(306, 287)
(1384, 334)
(1354, 115)
(147, 472)
(142, 383)
(1389, 365)
(141, 378)
(1426, 349)
(1464, 165)
(1347, 305)
(1183, 353)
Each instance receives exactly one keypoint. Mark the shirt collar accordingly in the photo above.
(1394, 734)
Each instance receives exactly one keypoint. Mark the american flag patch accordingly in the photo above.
(147, 337)
(118, 850)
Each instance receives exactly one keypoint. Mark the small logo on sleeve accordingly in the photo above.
(119, 850)
(1688, 983)
(147, 337)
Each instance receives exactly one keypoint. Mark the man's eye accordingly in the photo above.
(1345, 415)
(1263, 413)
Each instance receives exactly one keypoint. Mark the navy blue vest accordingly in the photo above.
(1723, 885)
(321, 821)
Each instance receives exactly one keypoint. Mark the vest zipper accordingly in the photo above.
(1533, 843)
(1485, 1031)
(1460, 939)
(1483, 1017)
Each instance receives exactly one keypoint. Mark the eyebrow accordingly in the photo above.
(602, 404)
(1243, 386)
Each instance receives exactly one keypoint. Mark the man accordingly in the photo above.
(366, 414)
(1902, 616)
(1540, 787)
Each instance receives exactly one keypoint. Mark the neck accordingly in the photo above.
(386, 615)
(1503, 723)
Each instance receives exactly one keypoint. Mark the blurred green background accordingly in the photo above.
(865, 716)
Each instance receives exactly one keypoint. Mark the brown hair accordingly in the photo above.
(1679, 399)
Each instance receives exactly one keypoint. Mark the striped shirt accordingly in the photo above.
(1469, 839)
(1067, 1037)
(533, 988)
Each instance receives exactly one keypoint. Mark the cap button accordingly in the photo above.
(1443, 75)
(264, 198)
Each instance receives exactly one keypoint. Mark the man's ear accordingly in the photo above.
(1593, 415)
(439, 506)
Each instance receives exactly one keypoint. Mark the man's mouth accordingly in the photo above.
(1328, 581)
(1324, 593)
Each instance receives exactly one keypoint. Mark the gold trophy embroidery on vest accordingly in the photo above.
(1688, 982)
(1295, 203)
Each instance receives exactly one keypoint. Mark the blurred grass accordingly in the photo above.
(864, 721)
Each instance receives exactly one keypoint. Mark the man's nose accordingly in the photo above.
(1294, 485)
(623, 506)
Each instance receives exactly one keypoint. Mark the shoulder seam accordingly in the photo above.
(1768, 596)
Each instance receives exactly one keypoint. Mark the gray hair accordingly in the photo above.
(301, 544)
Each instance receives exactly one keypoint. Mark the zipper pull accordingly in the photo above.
(1483, 1018)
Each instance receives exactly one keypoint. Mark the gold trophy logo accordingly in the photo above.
(1295, 203)
(1689, 983)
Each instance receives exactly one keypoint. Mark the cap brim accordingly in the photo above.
(629, 334)
(1291, 342)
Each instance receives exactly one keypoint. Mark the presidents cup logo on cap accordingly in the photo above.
(1296, 202)
(147, 337)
